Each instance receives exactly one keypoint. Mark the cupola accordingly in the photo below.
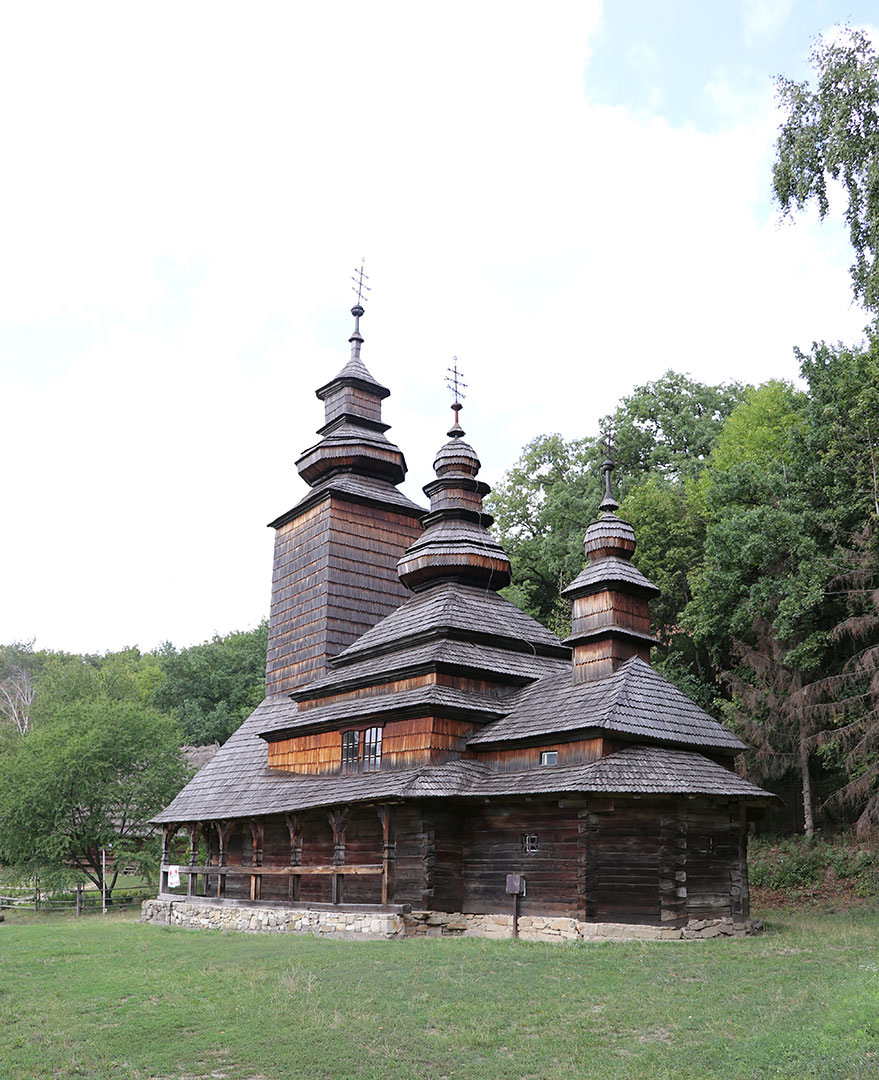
(352, 437)
(611, 610)
(456, 544)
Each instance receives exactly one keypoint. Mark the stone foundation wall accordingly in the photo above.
(256, 918)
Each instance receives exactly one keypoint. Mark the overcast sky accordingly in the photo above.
(572, 198)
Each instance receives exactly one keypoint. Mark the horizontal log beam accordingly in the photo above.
(355, 869)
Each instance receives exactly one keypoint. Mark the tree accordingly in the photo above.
(213, 687)
(16, 700)
(98, 762)
(832, 132)
(541, 508)
(669, 426)
(849, 710)
(663, 430)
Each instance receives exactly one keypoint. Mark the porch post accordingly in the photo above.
(338, 821)
(294, 826)
(387, 815)
(192, 879)
(223, 830)
(257, 831)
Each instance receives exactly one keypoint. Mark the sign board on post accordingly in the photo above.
(516, 886)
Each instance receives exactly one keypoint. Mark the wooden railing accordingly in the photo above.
(255, 873)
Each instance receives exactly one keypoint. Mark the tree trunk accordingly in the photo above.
(808, 822)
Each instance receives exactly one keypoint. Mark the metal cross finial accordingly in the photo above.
(607, 438)
(608, 503)
(454, 383)
(360, 286)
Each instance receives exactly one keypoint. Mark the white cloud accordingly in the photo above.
(764, 19)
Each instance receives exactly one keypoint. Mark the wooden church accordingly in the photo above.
(426, 750)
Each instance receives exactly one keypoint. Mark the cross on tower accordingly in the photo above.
(608, 503)
(453, 381)
(360, 285)
(607, 438)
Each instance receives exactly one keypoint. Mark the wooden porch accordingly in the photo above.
(210, 878)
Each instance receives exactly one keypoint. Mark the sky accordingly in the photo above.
(570, 198)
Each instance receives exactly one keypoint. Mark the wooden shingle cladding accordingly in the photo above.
(406, 744)
(329, 584)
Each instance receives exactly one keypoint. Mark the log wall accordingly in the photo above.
(645, 861)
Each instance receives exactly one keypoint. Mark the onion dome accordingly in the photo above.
(352, 438)
(456, 544)
(611, 617)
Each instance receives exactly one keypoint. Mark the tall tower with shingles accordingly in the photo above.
(336, 551)
(611, 617)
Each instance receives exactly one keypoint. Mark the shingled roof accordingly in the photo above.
(436, 655)
(423, 700)
(454, 610)
(634, 701)
(237, 784)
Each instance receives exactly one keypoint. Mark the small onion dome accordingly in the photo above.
(609, 547)
(609, 535)
(456, 544)
(456, 457)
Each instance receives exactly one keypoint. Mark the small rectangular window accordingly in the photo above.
(372, 749)
(350, 751)
(549, 757)
(529, 843)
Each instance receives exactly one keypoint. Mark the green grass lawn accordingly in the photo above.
(104, 997)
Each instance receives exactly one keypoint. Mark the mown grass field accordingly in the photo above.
(104, 997)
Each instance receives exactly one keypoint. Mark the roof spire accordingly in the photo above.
(608, 504)
(453, 381)
(360, 287)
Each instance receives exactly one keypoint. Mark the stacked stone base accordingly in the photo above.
(365, 924)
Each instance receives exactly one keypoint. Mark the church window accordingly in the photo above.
(350, 751)
(549, 757)
(362, 750)
(529, 843)
(372, 749)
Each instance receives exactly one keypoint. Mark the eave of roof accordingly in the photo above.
(637, 770)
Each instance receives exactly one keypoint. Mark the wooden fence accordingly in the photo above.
(83, 899)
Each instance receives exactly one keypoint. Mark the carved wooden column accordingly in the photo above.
(387, 815)
(224, 828)
(294, 827)
(673, 867)
(257, 831)
(192, 879)
(338, 821)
